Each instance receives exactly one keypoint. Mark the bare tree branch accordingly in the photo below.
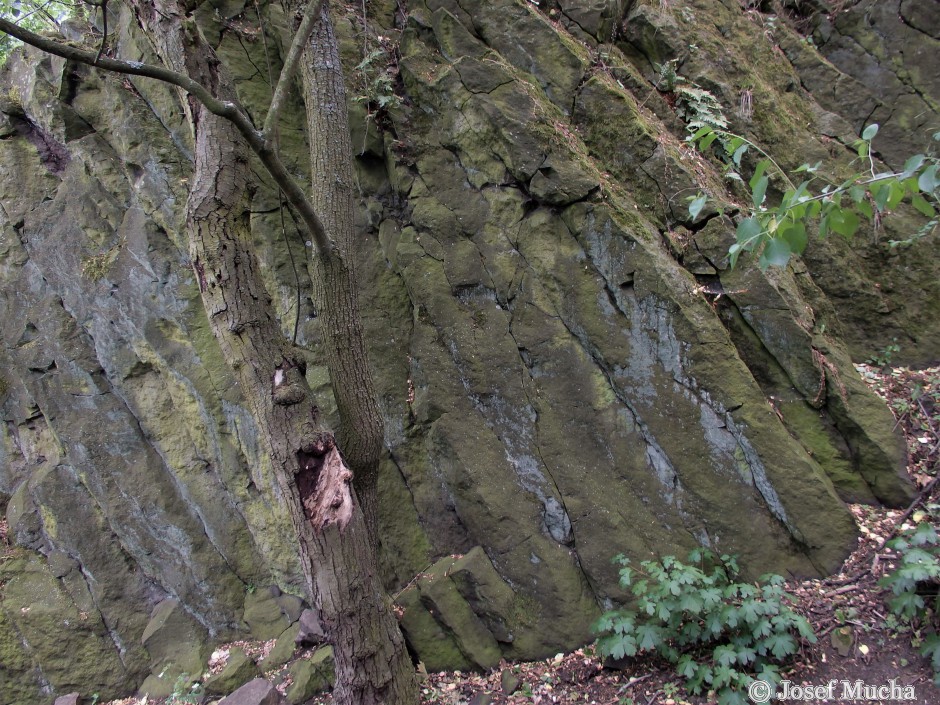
(103, 4)
(310, 18)
(229, 110)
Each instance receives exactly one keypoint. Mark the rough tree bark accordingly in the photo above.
(361, 432)
(372, 663)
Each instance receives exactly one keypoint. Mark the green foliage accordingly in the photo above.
(36, 16)
(183, 696)
(719, 634)
(915, 580)
(883, 359)
(697, 106)
(378, 81)
(777, 230)
(700, 108)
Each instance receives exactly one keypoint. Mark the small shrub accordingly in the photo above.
(377, 76)
(915, 581)
(883, 358)
(182, 695)
(719, 634)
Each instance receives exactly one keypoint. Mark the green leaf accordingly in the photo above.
(618, 647)
(624, 624)
(697, 204)
(927, 181)
(824, 225)
(731, 615)
(737, 153)
(706, 141)
(925, 535)
(691, 602)
(700, 133)
(857, 193)
(896, 194)
(762, 166)
(691, 633)
(776, 253)
(880, 191)
(605, 623)
(763, 628)
(913, 164)
(868, 134)
(649, 636)
(726, 696)
(711, 597)
(725, 655)
(696, 684)
(747, 230)
(795, 236)
(686, 666)
(760, 189)
(722, 675)
(781, 645)
(733, 253)
(713, 624)
(844, 222)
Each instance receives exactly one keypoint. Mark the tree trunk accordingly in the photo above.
(361, 432)
(372, 664)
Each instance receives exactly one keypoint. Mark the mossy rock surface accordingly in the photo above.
(311, 676)
(238, 670)
(567, 369)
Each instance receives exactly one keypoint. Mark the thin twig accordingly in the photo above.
(104, 28)
(918, 500)
(842, 590)
(307, 24)
(273, 136)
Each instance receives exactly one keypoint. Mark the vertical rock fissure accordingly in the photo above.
(823, 409)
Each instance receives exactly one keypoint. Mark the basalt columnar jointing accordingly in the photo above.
(567, 368)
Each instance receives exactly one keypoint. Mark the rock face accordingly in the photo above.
(567, 367)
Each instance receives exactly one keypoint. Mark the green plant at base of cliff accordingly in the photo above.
(915, 581)
(182, 696)
(719, 634)
(776, 232)
(883, 358)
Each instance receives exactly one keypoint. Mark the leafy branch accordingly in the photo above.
(779, 231)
